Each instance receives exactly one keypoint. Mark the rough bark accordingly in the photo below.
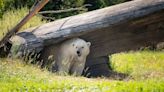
(113, 29)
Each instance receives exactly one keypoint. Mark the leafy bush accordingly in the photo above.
(60, 5)
(66, 4)
(9, 4)
(113, 2)
(12, 17)
(97, 4)
(1, 8)
(52, 5)
(6, 5)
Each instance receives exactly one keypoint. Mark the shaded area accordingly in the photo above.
(5, 50)
(101, 67)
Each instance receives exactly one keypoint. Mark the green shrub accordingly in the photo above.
(97, 4)
(6, 5)
(52, 5)
(60, 5)
(1, 8)
(9, 4)
(113, 2)
(12, 17)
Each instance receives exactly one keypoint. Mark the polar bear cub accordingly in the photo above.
(71, 56)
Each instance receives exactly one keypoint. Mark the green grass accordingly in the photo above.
(12, 17)
(140, 65)
(17, 76)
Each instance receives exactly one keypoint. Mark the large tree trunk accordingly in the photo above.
(123, 27)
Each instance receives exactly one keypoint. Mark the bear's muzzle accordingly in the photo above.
(78, 53)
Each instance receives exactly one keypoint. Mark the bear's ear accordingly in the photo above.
(89, 44)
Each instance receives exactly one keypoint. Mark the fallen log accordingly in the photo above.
(122, 27)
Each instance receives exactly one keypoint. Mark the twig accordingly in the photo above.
(44, 17)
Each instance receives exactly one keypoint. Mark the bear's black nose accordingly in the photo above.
(78, 53)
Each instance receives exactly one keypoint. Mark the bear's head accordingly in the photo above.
(81, 47)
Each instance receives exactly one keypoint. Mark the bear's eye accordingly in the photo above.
(82, 47)
(76, 47)
(73, 44)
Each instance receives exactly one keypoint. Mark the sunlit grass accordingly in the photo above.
(140, 65)
(12, 17)
(18, 76)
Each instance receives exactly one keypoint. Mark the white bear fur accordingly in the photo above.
(71, 56)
